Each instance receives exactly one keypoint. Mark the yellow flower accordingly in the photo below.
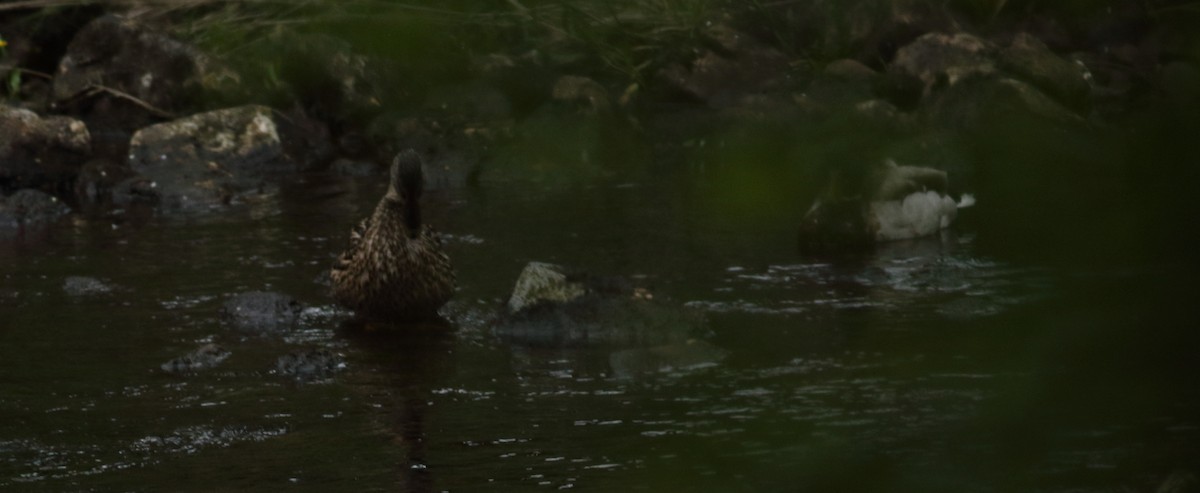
(3, 43)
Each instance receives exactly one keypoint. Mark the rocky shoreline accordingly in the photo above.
(109, 109)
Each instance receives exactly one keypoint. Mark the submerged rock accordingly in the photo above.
(203, 358)
(30, 207)
(85, 286)
(313, 364)
(210, 159)
(262, 311)
(690, 354)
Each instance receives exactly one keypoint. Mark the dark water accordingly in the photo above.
(923, 367)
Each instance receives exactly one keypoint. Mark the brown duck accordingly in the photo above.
(394, 268)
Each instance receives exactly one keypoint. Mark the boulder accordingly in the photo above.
(209, 159)
(119, 53)
(1032, 61)
(37, 151)
(939, 59)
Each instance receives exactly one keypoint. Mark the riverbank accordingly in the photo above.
(195, 109)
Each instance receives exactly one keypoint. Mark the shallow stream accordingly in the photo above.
(924, 366)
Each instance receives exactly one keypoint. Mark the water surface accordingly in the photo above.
(925, 366)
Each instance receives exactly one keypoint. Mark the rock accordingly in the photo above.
(203, 358)
(550, 307)
(30, 207)
(737, 67)
(209, 159)
(585, 95)
(540, 281)
(119, 53)
(1031, 60)
(941, 60)
(37, 151)
(85, 286)
(314, 364)
(262, 311)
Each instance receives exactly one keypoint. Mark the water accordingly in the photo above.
(925, 366)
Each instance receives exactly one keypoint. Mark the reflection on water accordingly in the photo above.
(921, 367)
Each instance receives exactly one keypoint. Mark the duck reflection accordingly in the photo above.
(412, 362)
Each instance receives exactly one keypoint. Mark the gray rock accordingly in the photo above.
(314, 364)
(262, 311)
(551, 307)
(85, 286)
(539, 282)
(203, 358)
(1031, 60)
(210, 159)
(30, 207)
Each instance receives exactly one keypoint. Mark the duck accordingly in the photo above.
(395, 268)
(889, 202)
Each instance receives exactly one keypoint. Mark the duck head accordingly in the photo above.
(835, 224)
(405, 186)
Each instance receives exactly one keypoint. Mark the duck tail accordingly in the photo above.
(967, 200)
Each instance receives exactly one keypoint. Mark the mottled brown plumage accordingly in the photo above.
(394, 268)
